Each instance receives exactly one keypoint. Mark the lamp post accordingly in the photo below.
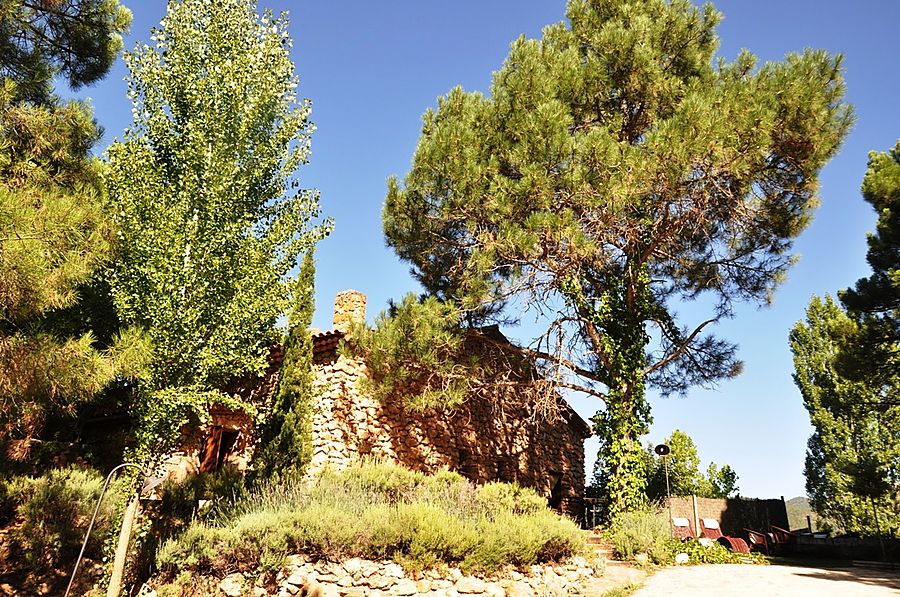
(663, 451)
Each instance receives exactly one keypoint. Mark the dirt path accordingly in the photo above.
(737, 580)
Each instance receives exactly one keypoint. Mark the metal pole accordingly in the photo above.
(94, 518)
(668, 497)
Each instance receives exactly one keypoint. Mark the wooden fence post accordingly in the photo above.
(118, 569)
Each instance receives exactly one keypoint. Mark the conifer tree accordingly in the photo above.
(285, 448)
(875, 300)
(617, 168)
(76, 39)
(54, 231)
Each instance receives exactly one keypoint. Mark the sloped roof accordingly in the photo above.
(325, 347)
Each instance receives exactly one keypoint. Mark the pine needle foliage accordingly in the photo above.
(617, 168)
(55, 237)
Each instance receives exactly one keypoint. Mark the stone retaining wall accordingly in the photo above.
(364, 578)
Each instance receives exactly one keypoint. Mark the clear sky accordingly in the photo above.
(372, 68)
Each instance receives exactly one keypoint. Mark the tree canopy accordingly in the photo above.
(685, 476)
(853, 456)
(54, 232)
(75, 39)
(875, 300)
(211, 216)
(616, 168)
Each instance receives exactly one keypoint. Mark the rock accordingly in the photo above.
(454, 574)
(298, 578)
(231, 584)
(394, 571)
(519, 589)
(352, 592)
(493, 590)
(681, 558)
(405, 587)
(345, 581)
(377, 581)
(641, 558)
(470, 585)
(423, 585)
(259, 592)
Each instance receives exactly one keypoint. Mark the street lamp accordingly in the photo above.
(663, 451)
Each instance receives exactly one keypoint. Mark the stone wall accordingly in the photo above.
(734, 514)
(484, 439)
(364, 578)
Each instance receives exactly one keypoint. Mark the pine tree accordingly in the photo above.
(875, 300)
(616, 168)
(54, 231)
(75, 39)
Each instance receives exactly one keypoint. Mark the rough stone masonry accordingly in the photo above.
(484, 439)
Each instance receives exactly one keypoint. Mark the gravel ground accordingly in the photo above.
(740, 580)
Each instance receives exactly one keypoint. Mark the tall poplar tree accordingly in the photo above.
(853, 456)
(619, 167)
(211, 217)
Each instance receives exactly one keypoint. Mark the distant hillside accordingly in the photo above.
(798, 509)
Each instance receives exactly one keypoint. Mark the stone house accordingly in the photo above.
(483, 439)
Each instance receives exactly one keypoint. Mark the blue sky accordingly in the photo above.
(372, 68)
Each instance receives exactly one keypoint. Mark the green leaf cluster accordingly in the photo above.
(685, 476)
(853, 456)
(210, 216)
(619, 167)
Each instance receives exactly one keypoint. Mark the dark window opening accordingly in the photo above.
(218, 446)
(555, 500)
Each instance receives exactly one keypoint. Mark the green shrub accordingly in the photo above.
(377, 510)
(716, 553)
(54, 511)
(646, 532)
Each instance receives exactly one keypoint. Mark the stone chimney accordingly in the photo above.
(349, 306)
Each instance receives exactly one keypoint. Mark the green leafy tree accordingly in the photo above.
(616, 168)
(286, 439)
(685, 477)
(75, 39)
(853, 456)
(875, 300)
(54, 233)
(211, 218)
